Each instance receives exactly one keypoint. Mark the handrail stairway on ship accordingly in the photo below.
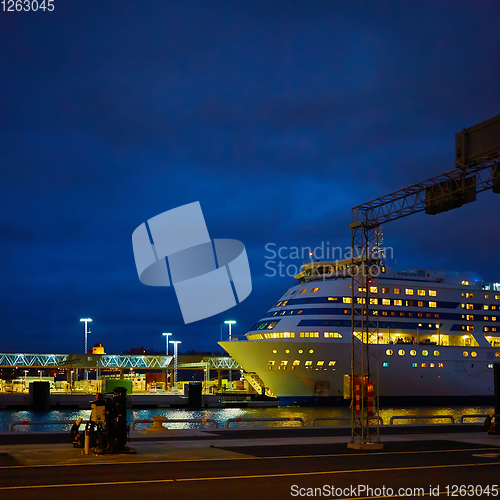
(256, 382)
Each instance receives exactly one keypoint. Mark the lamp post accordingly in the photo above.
(166, 335)
(229, 323)
(175, 342)
(165, 372)
(87, 331)
(418, 337)
(439, 334)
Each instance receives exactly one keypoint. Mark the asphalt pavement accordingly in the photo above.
(259, 464)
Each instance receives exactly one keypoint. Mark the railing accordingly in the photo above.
(48, 422)
(477, 415)
(228, 423)
(288, 419)
(380, 420)
(174, 421)
(426, 417)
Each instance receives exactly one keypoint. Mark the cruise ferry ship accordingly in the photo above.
(438, 337)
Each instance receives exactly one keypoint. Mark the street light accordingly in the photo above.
(418, 338)
(175, 342)
(230, 322)
(87, 331)
(439, 334)
(166, 335)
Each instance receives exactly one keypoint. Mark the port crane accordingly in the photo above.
(477, 169)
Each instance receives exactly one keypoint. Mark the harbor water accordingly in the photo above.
(221, 415)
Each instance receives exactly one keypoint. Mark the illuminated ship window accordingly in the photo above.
(361, 300)
(384, 313)
(465, 353)
(493, 308)
(414, 365)
(309, 363)
(409, 291)
(274, 351)
(469, 306)
(385, 365)
(424, 365)
(436, 315)
(497, 355)
(465, 282)
(361, 289)
(432, 304)
(432, 365)
(432, 293)
(320, 363)
(309, 334)
(311, 351)
(284, 363)
(436, 353)
(413, 352)
(332, 298)
(398, 302)
(401, 352)
(300, 312)
(284, 303)
(271, 363)
(490, 365)
(373, 301)
(420, 303)
(421, 293)
(314, 290)
(347, 311)
(473, 354)
(470, 317)
(440, 365)
(254, 336)
(332, 363)
(425, 353)
(397, 291)
(469, 295)
(304, 290)
(373, 289)
(347, 300)
(409, 303)
(386, 302)
(296, 362)
(287, 351)
(486, 296)
(486, 329)
(389, 352)
(272, 325)
(401, 314)
(470, 328)
(386, 290)
(332, 335)
(300, 351)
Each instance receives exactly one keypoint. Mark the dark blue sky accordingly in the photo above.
(277, 116)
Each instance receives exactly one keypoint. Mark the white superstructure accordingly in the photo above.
(439, 335)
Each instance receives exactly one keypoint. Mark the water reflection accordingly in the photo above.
(221, 415)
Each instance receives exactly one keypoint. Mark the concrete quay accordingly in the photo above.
(258, 463)
(136, 400)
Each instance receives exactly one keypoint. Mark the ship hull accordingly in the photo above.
(429, 376)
